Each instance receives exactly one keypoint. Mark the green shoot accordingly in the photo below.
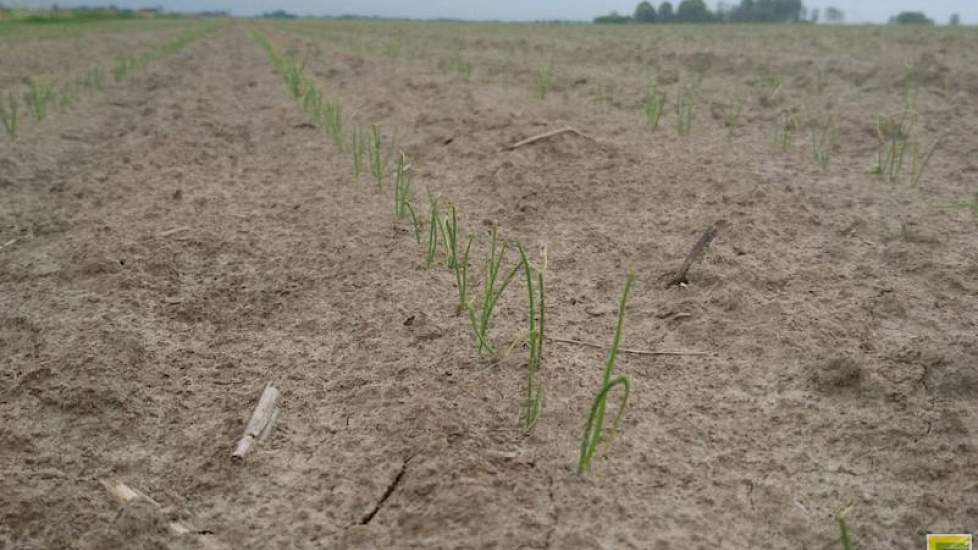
(402, 188)
(312, 102)
(920, 160)
(844, 537)
(909, 92)
(653, 106)
(893, 134)
(785, 134)
(431, 249)
(414, 223)
(492, 289)
(358, 147)
(40, 94)
(606, 94)
(459, 267)
(535, 337)
(545, 81)
(462, 277)
(823, 140)
(594, 428)
(377, 165)
(292, 73)
(685, 111)
(451, 238)
(330, 117)
(9, 114)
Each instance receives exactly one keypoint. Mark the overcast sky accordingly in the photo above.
(857, 11)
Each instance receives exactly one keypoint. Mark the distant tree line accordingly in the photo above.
(911, 18)
(749, 11)
(696, 11)
(58, 14)
(279, 14)
(920, 18)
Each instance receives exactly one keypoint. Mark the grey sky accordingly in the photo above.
(875, 11)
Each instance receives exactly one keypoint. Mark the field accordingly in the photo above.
(232, 204)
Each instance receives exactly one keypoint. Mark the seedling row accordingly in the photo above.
(440, 237)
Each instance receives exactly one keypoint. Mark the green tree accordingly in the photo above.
(911, 18)
(613, 18)
(955, 20)
(768, 11)
(644, 13)
(693, 11)
(666, 14)
(834, 15)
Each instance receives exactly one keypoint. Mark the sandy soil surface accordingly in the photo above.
(190, 236)
(74, 50)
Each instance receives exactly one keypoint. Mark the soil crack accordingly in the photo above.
(554, 516)
(387, 493)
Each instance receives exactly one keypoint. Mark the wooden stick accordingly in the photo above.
(125, 495)
(680, 277)
(268, 427)
(625, 350)
(261, 422)
(546, 135)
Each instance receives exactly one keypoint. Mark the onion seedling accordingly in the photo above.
(312, 102)
(377, 165)
(414, 223)
(292, 72)
(492, 289)
(844, 537)
(652, 106)
(893, 134)
(458, 266)
(545, 81)
(534, 340)
(823, 140)
(431, 249)
(330, 117)
(450, 230)
(920, 160)
(594, 428)
(685, 111)
(462, 276)
(9, 114)
(40, 94)
(358, 146)
(785, 131)
(402, 188)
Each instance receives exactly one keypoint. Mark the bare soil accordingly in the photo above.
(61, 53)
(188, 236)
